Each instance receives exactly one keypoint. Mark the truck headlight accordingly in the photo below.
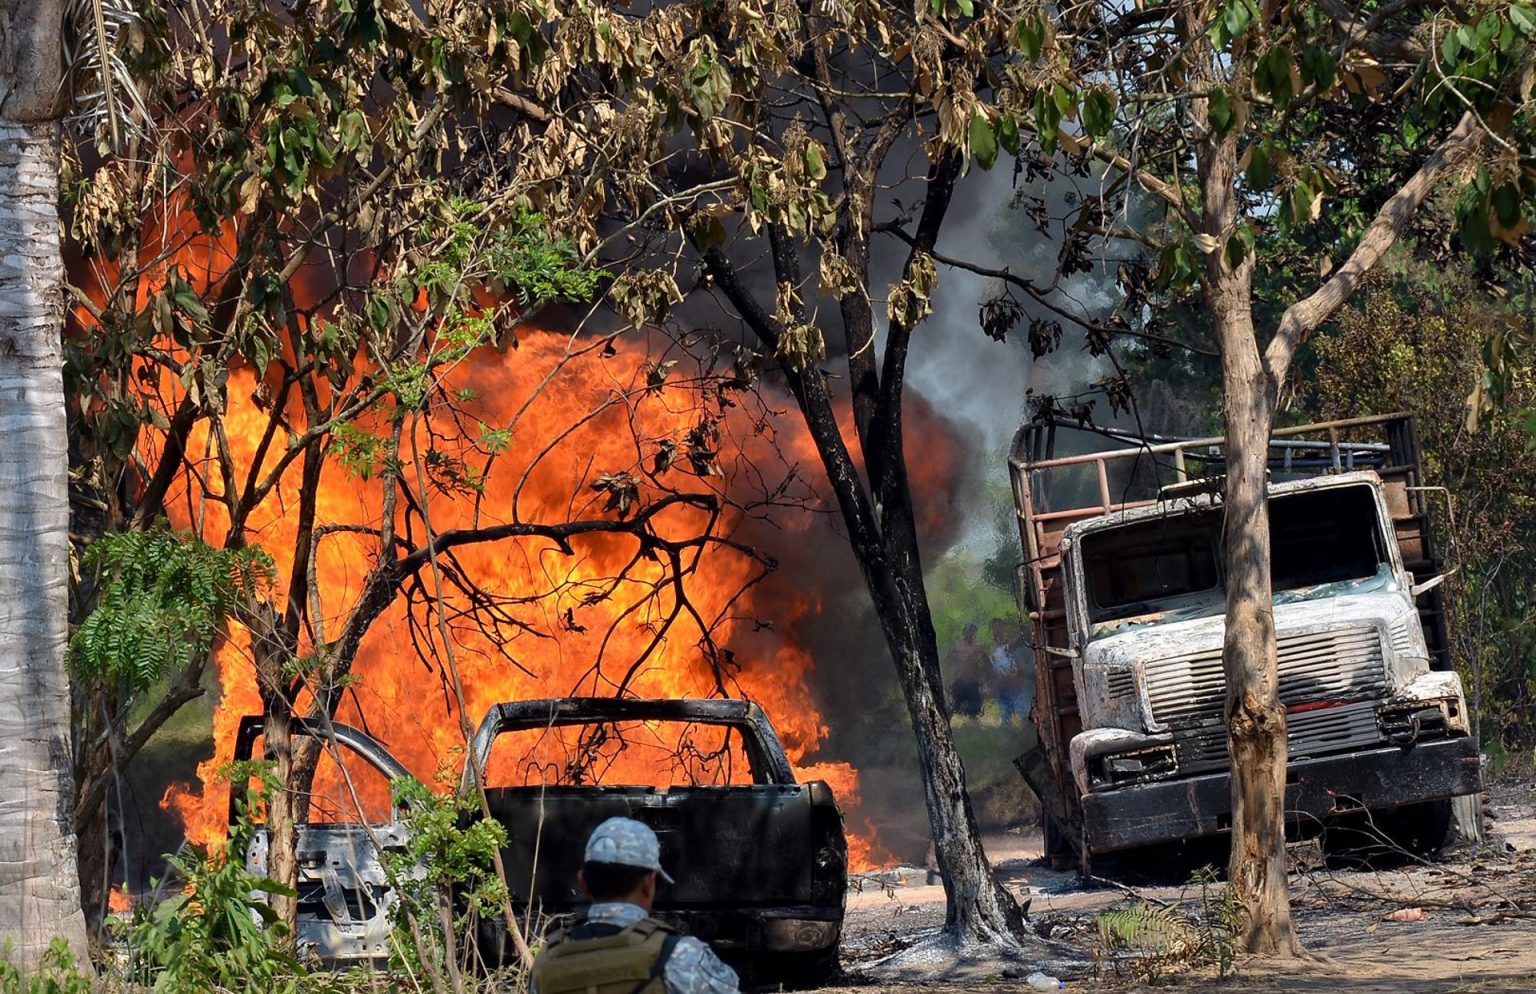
(1136, 766)
(1406, 723)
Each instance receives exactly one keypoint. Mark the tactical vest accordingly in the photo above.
(602, 958)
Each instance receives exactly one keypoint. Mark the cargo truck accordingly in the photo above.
(1123, 585)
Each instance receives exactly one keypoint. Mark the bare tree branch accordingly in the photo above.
(1302, 317)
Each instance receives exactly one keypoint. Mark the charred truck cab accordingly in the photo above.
(1123, 585)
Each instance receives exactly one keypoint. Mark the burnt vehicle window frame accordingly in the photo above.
(333, 737)
(766, 758)
(1181, 532)
(626, 745)
(1286, 571)
(1283, 547)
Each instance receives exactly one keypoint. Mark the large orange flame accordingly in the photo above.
(572, 419)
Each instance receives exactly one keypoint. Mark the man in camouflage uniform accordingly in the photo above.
(619, 948)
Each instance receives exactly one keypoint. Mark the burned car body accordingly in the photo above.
(345, 900)
(759, 860)
(1126, 596)
(760, 868)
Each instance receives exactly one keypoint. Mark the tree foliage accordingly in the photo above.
(161, 600)
(1415, 342)
(219, 933)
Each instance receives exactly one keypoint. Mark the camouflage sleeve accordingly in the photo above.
(695, 969)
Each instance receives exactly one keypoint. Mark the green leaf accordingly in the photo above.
(1272, 76)
(1260, 173)
(1318, 67)
(1451, 47)
(380, 314)
(966, 7)
(1222, 113)
(1300, 198)
(1239, 246)
(1232, 22)
(1047, 121)
(1031, 32)
(259, 354)
(1008, 133)
(186, 302)
(352, 129)
(815, 167)
(1099, 111)
(1064, 98)
(983, 140)
(1476, 232)
(1523, 17)
(1506, 205)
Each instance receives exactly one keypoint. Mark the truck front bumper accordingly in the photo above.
(1316, 790)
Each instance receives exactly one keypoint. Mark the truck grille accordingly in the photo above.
(1344, 664)
(1308, 733)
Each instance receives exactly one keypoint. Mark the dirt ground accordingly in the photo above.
(1471, 922)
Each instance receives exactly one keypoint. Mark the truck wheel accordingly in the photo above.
(1059, 849)
(1387, 838)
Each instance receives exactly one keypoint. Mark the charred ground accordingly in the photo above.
(1471, 921)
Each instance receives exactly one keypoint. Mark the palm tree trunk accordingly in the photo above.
(39, 890)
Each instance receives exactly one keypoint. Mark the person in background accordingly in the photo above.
(965, 664)
(618, 948)
(1008, 676)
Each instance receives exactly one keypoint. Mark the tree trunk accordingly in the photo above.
(96, 859)
(1255, 716)
(884, 543)
(282, 834)
(270, 653)
(39, 889)
(282, 864)
(976, 908)
(975, 905)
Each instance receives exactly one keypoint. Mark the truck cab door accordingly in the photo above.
(349, 828)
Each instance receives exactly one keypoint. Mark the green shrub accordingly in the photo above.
(56, 974)
(218, 933)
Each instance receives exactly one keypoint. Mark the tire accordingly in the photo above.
(1381, 839)
(1059, 849)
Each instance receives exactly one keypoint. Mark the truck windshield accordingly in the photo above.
(1320, 536)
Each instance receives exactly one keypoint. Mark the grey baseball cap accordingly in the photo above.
(626, 842)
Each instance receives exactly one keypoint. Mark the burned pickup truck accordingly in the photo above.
(759, 860)
(1123, 584)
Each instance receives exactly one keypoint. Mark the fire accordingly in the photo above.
(569, 420)
(119, 901)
